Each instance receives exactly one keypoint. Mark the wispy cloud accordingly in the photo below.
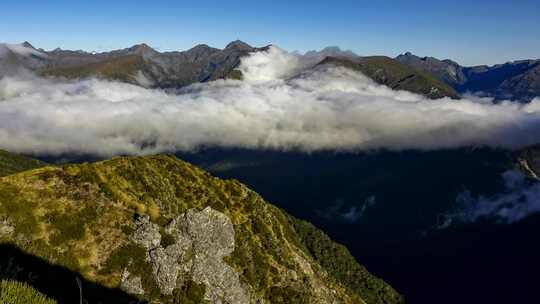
(520, 199)
(339, 211)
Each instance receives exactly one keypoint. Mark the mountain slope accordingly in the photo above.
(143, 65)
(12, 163)
(514, 80)
(14, 57)
(124, 69)
(389, 72)
(166, 231)
(446, 70)
(518, 80)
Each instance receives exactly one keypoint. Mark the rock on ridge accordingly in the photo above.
(201, 240)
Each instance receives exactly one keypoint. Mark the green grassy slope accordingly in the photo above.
(82, 217)
(397, 76)
(122, 68)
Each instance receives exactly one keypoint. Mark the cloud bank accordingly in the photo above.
(280, 105)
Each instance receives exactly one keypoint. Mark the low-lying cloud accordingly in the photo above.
(280, 105)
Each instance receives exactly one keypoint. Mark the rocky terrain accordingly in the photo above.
(518, 80)
(159, 230)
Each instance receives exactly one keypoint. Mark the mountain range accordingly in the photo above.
(518, 80)
(139, 64)
(143, 65)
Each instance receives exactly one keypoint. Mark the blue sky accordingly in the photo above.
(470, 32)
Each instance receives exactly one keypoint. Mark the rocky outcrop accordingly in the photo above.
(528, 161)
(201, 240)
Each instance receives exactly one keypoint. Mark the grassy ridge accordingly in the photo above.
(12, 163)
(81, 217)
(397, 76)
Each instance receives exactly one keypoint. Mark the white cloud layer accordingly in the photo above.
(326, 108)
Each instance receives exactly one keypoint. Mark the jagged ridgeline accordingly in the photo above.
(159, 230)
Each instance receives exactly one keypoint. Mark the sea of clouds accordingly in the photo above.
(282, 104)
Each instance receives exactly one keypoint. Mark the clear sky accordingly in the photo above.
(470, 32)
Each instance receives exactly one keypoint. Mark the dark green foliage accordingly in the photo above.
(190, 293)
(287, 295)
(250, 260)
(166, 239)
(340, 264)
(235, 74)
(12, 163)
(133, 258)
(19, 211)
(67, 228)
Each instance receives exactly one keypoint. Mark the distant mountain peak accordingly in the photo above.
(201, 47)
(141, 49)
(28, 45)
(238, 44)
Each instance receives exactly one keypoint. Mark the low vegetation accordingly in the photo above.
(13, 292)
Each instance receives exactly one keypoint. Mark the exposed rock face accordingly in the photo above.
(147, 233)
(202, 240)
(131, 284)
(529, 161)
(212, 236)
